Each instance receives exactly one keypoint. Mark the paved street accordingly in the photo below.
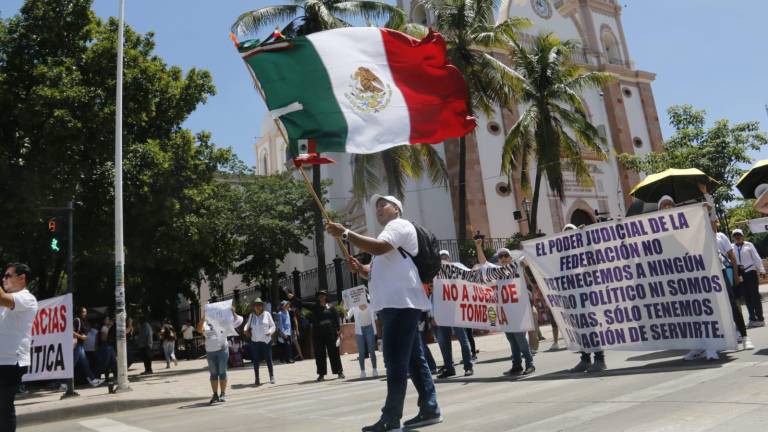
(653, 391)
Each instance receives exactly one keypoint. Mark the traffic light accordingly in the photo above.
(53, 229)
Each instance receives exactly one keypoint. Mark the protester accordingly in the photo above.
(398, 297)
(365, 336)
(80, 332)
(188, 335)
(217, 353)
(259, 328)
(18, 308)
(325, 332)
(517, 341)
(297, 330)
(732, 278)
(168, 336)
(749, 264)
(106, 354)
(90, 345)
(144, 343)
(284, 324)
(443, 335)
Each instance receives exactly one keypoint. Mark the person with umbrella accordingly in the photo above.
(754, 184)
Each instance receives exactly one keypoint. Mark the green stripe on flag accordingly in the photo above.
(297, 74)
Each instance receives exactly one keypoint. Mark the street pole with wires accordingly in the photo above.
(120, 315)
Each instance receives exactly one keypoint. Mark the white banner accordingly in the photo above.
(354, 296)
(491, 298)
(758, 225)
(648, 282)
(51, 351)
(219, 315)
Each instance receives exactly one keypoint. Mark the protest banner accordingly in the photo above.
(51, 349)
(758, 225)
(490, 298)
(648, 282)
(354, 296)
(219, 315)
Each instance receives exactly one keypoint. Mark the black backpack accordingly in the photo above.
(427, 258)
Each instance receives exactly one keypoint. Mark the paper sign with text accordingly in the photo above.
(490, 298)
(354, 296)
(649, 282)
(51, 350)
(219, 315)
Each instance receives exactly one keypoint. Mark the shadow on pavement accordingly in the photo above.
(660, 367)
(494, 360)
(196, 405)
(763, 351)
(658, 355)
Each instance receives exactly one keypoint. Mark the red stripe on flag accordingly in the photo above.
(434, 90)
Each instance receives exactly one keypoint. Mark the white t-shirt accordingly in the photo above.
(188, 332)
(723, 247)
(16, 329)
(216, 338)
(363, 318)
(261, 327)
(91, 339)
(394, 279)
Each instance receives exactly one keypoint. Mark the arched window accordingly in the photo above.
(419, 13)
(263, 163)
(611, 46)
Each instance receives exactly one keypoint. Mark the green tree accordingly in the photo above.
(554, 128)
(470, 32)
(719, 151)
(310, 16)
(276, 216)
(57, 86)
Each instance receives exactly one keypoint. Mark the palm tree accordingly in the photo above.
(555, 127)
(310, 16)
(470, 32)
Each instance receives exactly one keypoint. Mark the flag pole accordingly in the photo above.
(307, 182)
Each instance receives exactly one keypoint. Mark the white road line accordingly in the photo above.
(107, 425)
(611, 406)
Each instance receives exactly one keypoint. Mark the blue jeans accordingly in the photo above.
(107, 360)
(427, 352)
(217, 363)
(403, 355)
(520, 348)
(366, 344)
(81, 362)
(261, 351)
(444, 341)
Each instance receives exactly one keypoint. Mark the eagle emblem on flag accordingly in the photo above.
(369, 93)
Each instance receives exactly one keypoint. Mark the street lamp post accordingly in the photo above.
(120, 315)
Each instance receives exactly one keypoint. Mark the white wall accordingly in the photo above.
(564, 27)
(637, 124)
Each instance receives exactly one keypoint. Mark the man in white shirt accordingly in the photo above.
(18, 308)
(750, 264)
(399, 298)
(732, 278)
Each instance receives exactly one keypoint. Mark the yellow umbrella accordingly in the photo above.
(752, 178)
(680, 184)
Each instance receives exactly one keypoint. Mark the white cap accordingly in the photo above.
(761, 189)
(737, 231)
(570, 227)
(376, 197)
(503, 250)
(444, 252)
(665, 198)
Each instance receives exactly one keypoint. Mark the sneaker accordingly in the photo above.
(434, 372)
(446, 374)
(529, 370)
(375, 373)
(738, 339)
(554, 347)
(712, 355)
(474, 358)
(747, 343)
(63, 387)
(582, 366)
(223, 397)
(95, 382)
(321, 378)
(214, 399)
(167, 365)
(516, 370)
(257, 382)
(468, 373)
(146, 373)
(175, 362)
(341, 375)
(271, 380)
(381, 426)
(423, 419)
(759, 323)
(362, 374)
(597, 366)
(694, 355)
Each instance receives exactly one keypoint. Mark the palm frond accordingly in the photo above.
(395, 160)
(431, 163)
(365, 173)
(518, 144)
(250, 23)
(368, 10)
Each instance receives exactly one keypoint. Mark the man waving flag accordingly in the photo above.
(360, 89)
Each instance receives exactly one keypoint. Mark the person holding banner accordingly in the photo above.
(365, 336)
(18, 308)
(749, 264)
(397, 295)
(217, 352)
(443, 336)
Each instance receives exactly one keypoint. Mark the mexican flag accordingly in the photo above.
(360, 89)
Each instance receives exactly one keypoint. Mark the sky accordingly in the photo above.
(708, 53)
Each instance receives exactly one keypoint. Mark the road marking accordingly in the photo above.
(107, 425)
